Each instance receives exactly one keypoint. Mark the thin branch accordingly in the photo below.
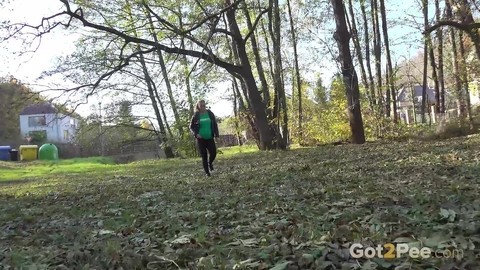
(257, 21)
(223, 31)
(129, 39)
(465, 27)
(213, 15)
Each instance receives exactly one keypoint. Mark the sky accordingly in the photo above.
(27, 68)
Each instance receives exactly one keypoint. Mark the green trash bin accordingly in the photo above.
(48, 151)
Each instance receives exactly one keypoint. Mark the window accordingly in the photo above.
(66, 135)
(37, 121)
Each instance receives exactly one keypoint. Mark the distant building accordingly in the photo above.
(406, 105)
(404, 96)
(42, 120)
(409, 100)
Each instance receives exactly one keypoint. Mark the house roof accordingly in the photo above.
(39, 108)
(405, 94)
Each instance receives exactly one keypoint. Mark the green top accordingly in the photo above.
(205, 126)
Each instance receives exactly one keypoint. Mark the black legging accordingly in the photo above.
(204, 146)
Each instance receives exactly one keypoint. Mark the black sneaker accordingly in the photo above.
(207, 174)
(210, 166)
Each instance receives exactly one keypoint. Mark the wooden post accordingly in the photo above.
(407, 116)
(433, 115)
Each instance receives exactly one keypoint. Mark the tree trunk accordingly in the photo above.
(186, 71)
(377, 51)
(258, 107)
(187, 81)
(456, 71)
(163, 135)
(441, 78)
(162, 109)
(464, 76)
(391, 95)
(388, 77)
(342, 36)
(154, 86)
(366, 37)
(161, 61)
(270, 61)
(298, 79)
(171, 98)
(412, 94)
(235, 114)
(425, 63)
(243, 111)
(358, 50)
(258, 59)
(465, 15)
(280, 104)
(245, 108)
(434, 76)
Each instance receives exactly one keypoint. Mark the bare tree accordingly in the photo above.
(391, 93)
(298, 79)
(456, 70)
(425, 62)
(96, 16)
(441, 79)
(366, 36)
(342, 36)
(377, 52)
(358, 51)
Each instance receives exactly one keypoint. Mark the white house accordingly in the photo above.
(45, 120)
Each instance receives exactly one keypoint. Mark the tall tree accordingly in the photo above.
(298, 79)
(441, 78)
(434, 75)
(342, 36)
(258, 59)
(14, 97)
(366, 37)
(467, 22)
(280, 101)
(187, 71)
(124, 114)
(391, 93)
(161, 134)
(465, 15)
(377, 52)
(456, 70)
(358, 51)
(425, 62)
(320, 92)
(236, 116)
(97, 17)
(464, 77)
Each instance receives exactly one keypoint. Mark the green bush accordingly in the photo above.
(183, 147)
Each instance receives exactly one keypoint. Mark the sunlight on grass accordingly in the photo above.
(17, 170)
(234, 150)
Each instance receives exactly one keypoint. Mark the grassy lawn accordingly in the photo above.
(297, 209)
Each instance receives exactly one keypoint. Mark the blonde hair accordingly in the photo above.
(197, 106)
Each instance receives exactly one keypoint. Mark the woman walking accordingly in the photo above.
(204, 127)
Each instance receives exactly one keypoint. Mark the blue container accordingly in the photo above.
(5, 153)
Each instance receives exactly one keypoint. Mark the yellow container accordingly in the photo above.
(28, 152)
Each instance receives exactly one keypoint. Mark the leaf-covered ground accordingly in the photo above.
(297, 209)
